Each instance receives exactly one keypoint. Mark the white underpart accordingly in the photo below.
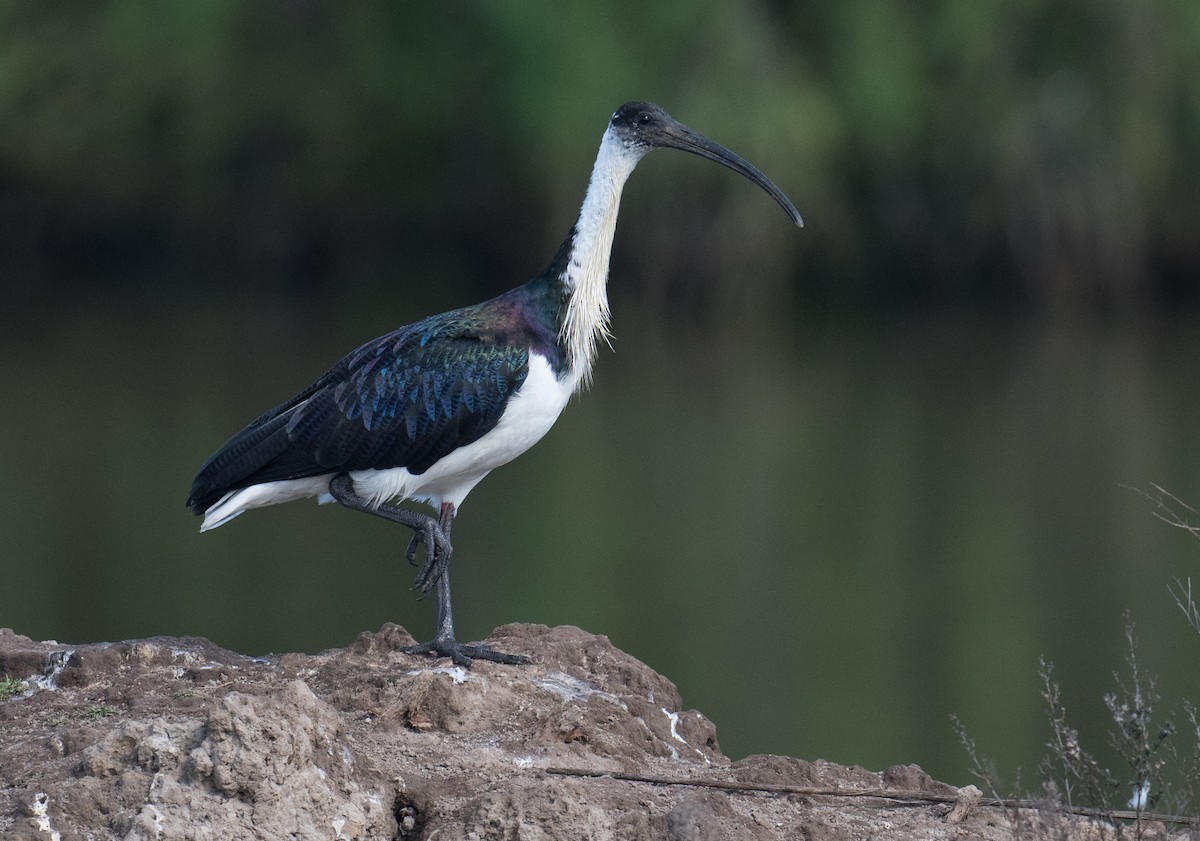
(586, 275)
(530, 413)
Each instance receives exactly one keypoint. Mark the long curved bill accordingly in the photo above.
(678, 136)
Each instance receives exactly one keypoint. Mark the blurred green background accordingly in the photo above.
(836, 483)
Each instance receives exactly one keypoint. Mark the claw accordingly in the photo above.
(411, 552)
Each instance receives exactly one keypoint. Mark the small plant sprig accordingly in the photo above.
(1183, 799)
(1069, 769)
(1176, 513)
(95, 712)
(1186, 602)
(1073, 779)
(1136, 739)
(10, 687)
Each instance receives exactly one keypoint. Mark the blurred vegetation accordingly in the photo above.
(1030, 155)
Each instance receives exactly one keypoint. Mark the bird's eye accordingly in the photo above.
(643, 119)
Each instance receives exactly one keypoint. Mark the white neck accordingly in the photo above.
(586, 275)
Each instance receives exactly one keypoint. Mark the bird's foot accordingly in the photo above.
(437, 557)
(463, 654)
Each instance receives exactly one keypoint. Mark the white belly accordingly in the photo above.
(530, 413)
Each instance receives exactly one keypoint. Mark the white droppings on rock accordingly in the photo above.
(41, 816)
(674, 719)
(456, 673)
(567, 687)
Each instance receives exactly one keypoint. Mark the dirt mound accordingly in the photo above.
(171, 738)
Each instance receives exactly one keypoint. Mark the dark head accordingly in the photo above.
(645, 125)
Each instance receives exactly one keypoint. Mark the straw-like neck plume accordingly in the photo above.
(585, 277)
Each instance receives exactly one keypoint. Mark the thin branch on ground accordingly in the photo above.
(900, 798)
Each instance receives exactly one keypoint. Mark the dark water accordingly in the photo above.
(831, 538)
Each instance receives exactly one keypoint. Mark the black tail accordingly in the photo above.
(246, 459)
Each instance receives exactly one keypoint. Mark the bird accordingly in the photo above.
(423, 413)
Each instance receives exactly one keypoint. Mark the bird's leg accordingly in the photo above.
(444, 643)
(426, 530)
(445, 619)
(435, 534)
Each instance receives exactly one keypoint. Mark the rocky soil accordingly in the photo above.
(170, 738)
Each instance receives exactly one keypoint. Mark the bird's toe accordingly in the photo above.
(411, 552)
(464, 655)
